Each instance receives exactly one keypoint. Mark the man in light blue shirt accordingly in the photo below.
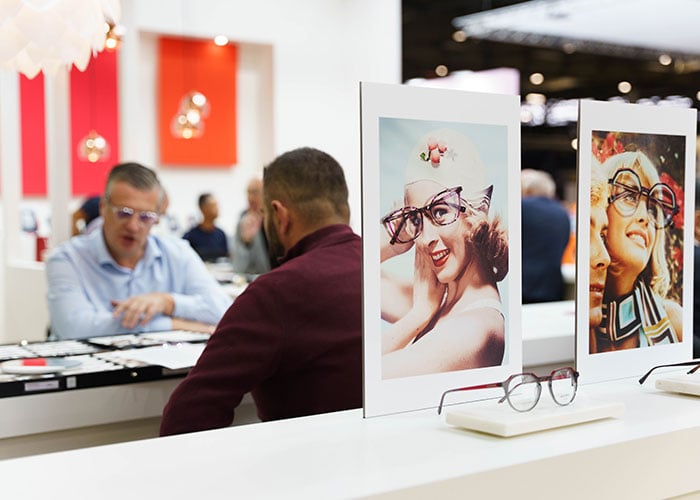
(121, 279)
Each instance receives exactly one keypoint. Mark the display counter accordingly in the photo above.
(126, 405)
(116, 393)
(647, 453)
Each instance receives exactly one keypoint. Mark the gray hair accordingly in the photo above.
(537, 183)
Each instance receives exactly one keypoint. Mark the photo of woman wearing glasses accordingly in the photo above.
(644, 240)
(450, 315)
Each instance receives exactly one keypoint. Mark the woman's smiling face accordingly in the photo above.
(630, 239)
(445, 246)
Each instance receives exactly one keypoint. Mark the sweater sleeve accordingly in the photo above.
(242, 352)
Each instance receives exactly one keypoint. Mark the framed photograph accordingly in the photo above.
(634, 291)
(441, 239)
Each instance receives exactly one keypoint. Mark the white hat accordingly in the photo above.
(448, 158)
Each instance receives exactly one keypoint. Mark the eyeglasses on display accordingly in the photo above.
(627, 191)
(695, 364)
(147, 217)
(523, 390)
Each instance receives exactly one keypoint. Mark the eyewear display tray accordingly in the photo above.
(40, 367)
(501, 420)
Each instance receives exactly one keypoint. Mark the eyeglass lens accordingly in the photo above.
(627, 191)
(146, 217)
(562, 386)
(406, 224)
(523, 390)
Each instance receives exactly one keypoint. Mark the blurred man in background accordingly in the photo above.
(546, 229)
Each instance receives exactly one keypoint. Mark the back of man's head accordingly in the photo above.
(203, 199)
(311, 183)
(135, 175)
(537, 183)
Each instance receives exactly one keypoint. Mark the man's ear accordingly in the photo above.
(280, 215)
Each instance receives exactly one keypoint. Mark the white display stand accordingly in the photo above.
(406, 456)
(501, 420)
(681, 383)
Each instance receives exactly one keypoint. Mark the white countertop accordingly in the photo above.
(650, 452)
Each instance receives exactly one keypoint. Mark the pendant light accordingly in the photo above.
(93, 147)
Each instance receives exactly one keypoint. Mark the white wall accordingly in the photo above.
(299, 71)
(299, 74)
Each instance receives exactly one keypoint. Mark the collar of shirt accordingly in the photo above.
(324, 236)
(104, 258)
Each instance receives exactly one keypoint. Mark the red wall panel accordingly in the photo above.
(94, 105)
(33, 135)
(186, 65)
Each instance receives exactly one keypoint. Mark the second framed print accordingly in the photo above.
(441, 240)
(636, 172)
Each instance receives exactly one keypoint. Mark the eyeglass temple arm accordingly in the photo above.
(686, 363)
(394, 234)
(470, 388)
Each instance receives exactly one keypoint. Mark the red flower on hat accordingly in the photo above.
(608, 147)
(436, 150)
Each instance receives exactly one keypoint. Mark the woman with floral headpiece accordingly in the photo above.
(636, 310)
(453, 319)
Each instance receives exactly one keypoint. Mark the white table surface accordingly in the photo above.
(650, 452)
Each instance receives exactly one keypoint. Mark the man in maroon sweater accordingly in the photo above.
(294, 337)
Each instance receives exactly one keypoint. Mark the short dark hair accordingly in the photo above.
(135, 175)
(311, 181)
(203, 198)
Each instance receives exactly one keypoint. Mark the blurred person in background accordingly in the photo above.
(85, 214)
(546, 229)
(250, 247)
(120, 278)
(208, 240)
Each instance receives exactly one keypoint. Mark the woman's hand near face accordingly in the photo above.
(427, 299)
(387, 250)
(428, 292)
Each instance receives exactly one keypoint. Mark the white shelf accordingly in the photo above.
(412, 455)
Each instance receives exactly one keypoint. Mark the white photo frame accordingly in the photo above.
(394, 119)
(667, 136)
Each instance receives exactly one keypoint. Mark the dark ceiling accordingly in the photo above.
(427, 42)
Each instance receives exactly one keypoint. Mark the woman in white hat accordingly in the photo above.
(454, 318)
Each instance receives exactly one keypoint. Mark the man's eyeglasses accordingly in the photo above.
(522, 391)
(695, 368)
(147, 217)
(627, 190)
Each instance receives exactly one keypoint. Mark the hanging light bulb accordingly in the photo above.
(113, 35)
(187, 125)
(195, 101)
(93, 148)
